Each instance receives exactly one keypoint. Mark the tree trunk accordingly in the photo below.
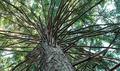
(53, 59)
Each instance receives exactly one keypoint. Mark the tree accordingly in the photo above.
(59, 35)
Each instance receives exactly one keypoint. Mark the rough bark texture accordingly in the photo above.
(54, 59)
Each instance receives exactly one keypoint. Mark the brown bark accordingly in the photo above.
(54, 59)
(47, 58)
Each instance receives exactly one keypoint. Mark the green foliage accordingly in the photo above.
(86, 30)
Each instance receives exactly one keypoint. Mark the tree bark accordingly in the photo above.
(53, 59)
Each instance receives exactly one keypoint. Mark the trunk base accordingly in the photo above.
(53, 59)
